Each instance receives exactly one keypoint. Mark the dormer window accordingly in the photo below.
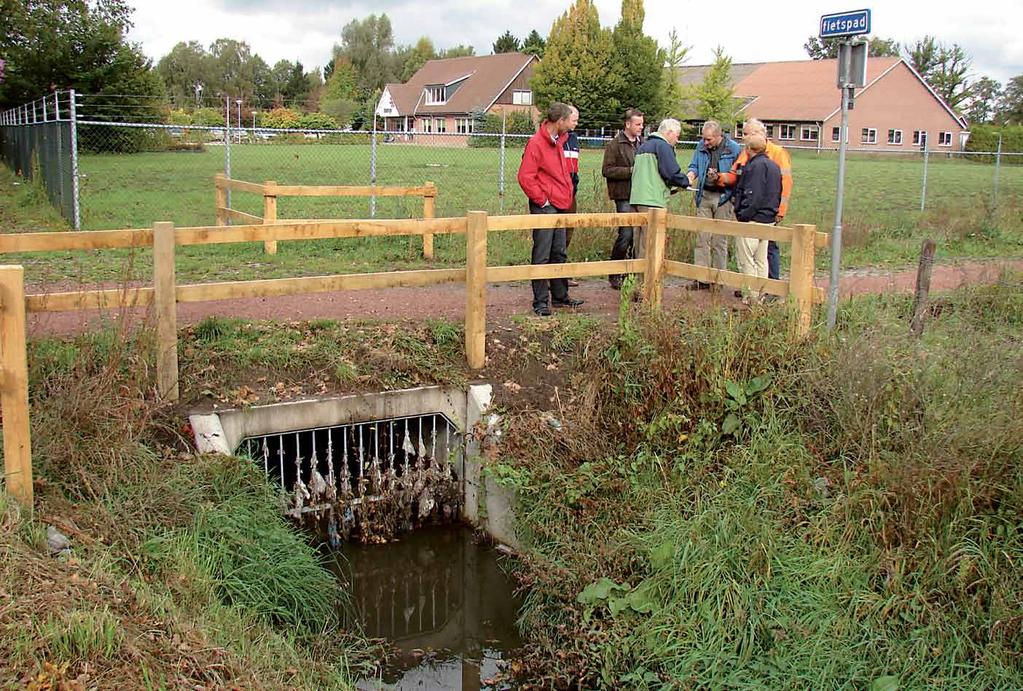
(435, 95)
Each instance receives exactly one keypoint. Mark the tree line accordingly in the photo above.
(82, 44)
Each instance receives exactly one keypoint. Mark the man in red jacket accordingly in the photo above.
(545, 178)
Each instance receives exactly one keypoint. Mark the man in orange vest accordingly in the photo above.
(780, 156)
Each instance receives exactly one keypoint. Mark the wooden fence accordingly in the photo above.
(165, 293)
(270, 191)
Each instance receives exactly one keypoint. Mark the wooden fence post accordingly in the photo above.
(801, 276)
(165, 296)
(270, 212)
(655, 238)
(476, 289)
(429, 211)
(923, 288)
(14, 386)
(220, 198)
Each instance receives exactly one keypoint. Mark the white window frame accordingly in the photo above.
(944, 139)
(427, 124)
(919, 137)
(803, 129)
(522, 97)
(463, 125)
(836, 134)
(792, 132)
(431, 93)
(440, 125)
(870, 135)
(895, 137)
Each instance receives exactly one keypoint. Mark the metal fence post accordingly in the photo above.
(76, 206)
(500, 178)
(923, 189)
(998, 170)
(373, 169)
(227, 151)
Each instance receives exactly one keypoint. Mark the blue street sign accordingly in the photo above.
(845, 24)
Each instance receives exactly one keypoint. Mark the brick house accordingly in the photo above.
(442, 97)
(801, 105)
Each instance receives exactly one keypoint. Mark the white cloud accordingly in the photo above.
(307, 29)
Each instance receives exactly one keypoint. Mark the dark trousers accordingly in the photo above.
(773, 260)
(549, 245)
(623, 248)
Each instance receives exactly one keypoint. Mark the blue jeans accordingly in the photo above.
(773, 260)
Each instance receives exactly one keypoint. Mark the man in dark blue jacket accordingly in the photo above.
(715, 153)
(757, 198)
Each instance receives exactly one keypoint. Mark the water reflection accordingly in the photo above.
(442, 600)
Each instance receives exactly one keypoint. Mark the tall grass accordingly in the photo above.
(184, 571)
(859, 525)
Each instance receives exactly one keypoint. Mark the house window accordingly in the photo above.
(836, 134)
(895, 137)
(920, 138)
(868, 135)
(770, 130)
(427, 125)
(787, 132)
(808, 133)
(944, 139)
(435, 94)
(522, 97)
(463, 125)
(439, 125)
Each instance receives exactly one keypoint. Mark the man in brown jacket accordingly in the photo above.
(619, 157)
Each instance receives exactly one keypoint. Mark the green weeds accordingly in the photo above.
(854, 525)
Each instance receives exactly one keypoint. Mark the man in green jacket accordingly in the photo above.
(655, 174)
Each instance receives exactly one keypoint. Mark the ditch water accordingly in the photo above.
(444, 603)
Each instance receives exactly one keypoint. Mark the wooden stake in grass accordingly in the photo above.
(923, 288)
(220, 198)
(801, 270)
(429, 211)
(14, 385)
(655, 238)
(165, 295)
(270, 212)
(476, 289)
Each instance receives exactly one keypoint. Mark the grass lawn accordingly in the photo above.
(883, 224)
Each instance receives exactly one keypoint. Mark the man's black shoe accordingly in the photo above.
(698, 285)
(544, 311)
(570, 302)
(737, 293)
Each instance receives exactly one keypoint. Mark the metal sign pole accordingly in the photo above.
(836, 233)
(852, 73)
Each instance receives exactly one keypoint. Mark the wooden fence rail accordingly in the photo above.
(164, 294)
(270, 191)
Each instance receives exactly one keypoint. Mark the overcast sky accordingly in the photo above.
(306, 30)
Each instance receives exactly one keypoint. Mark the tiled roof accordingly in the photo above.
(800, 90)
(483, 78)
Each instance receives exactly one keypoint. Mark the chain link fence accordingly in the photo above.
(132, 174)
(37, 141)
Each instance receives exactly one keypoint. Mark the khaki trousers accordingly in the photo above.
(751, 255)
(709, 247)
